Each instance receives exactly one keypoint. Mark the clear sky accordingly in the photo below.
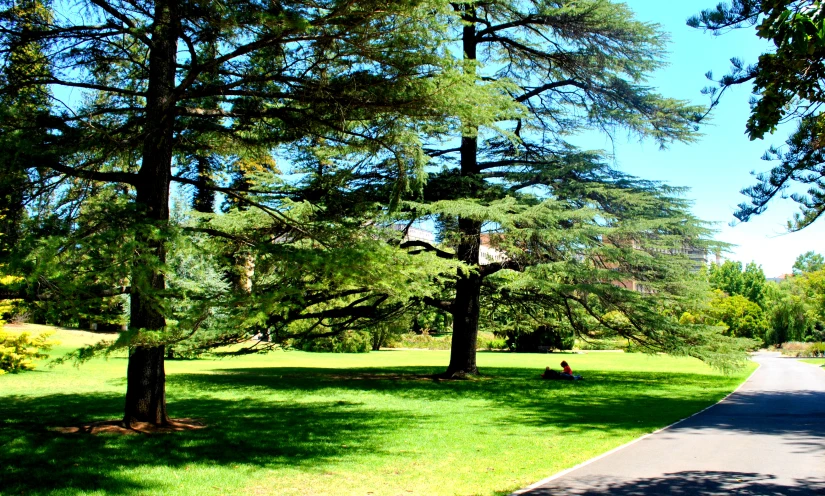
(718, 165)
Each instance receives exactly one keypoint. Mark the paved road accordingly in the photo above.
(768, 438)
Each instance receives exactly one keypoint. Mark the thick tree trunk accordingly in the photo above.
(466, 305)
(146, 378)
(146, 389)
(468, 288)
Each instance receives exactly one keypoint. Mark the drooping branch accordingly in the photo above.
(427, 247)
(549, 86)
(122, 17)
(486, 270)
(107, 177)
(443, 305)
(19, 294)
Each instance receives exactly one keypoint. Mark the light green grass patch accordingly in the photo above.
(815, 361)
(294, 423)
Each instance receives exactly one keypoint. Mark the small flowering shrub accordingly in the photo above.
(18, 351)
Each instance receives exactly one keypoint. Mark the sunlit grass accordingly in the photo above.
(815, 361)
(293, 423)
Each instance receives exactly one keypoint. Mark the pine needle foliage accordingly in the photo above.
(202, 95)
(787, 82)
(574, 236)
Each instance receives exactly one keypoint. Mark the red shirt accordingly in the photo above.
(568, 370)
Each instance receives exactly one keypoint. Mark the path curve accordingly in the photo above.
(766, 438)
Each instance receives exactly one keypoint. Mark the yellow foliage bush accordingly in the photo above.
(18, 350)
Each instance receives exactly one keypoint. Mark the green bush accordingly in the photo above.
(817, 349)
(602, 344)
(542, 338)
(799, 349)
(425, 341)
(489, 341)
(346, 342)
(388, 334)
(18, 351)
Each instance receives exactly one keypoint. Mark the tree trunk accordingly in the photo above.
(146, 378)
(466, 305)
(466, 308)
(146, 386)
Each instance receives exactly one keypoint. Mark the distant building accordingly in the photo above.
(486, 253)
(415, 234)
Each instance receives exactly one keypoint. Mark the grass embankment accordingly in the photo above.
(815, 361)
(293, 423)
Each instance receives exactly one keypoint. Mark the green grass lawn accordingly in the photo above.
(293, 423)
(815, 361)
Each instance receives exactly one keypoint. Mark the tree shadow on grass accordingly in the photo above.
(614, 401)
(36, 460)
(261, 424)
(609, 401)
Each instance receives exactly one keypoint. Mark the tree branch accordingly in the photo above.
(443, 305)
(106, 177)
(486, 270)
(549, 86)
(427, 247)
(122, 17)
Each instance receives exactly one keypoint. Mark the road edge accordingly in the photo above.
(564, 472)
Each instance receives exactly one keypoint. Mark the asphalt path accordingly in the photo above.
(767, 438)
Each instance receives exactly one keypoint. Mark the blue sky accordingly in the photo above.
(718, 165)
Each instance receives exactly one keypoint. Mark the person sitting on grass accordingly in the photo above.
(566, 370)
(550, 374)
(565, 374)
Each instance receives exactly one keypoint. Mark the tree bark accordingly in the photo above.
(146, 378)
(466, 305)
(466, 308)
(146, 386)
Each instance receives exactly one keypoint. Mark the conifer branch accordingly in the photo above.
(89, 86)
(443, 305)
(549, 86)
(106, 177)
(427, 247)
(133, 29)
(486, 270)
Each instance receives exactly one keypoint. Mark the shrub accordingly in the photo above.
(602, 344)
(799, 349)
(346, 342)
(489, 341)
(542, 338)
(425, 341)
(388, 334)
(17, 352)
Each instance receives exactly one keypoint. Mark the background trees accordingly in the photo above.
(808, 262)
(794, 305)
(733, 279)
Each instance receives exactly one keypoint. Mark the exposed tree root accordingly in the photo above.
(118, 427)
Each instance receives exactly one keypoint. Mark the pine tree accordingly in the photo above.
(571, 229)
(19, 113)
(251, 76)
